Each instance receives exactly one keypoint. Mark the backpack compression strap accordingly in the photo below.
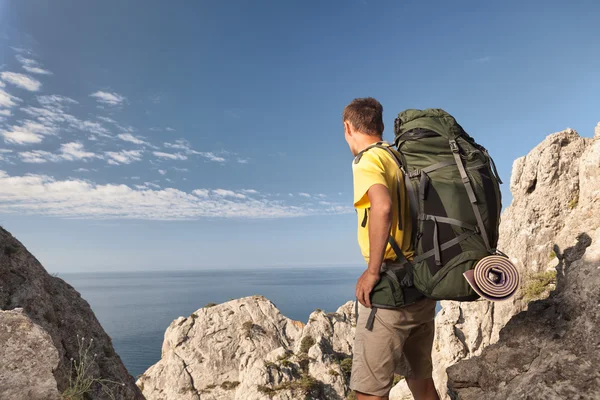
(473, 199)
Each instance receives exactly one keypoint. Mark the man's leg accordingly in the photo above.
(422, 389)
(362, 396)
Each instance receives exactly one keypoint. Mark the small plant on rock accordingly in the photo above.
(306, 344)
(81, 382)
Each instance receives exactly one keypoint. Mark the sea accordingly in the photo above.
(135, 308)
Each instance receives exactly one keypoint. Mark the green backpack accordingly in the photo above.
(455, 201)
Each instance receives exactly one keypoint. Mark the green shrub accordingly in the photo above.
(306, 344)
(194, 316)
(333, 372)
(397, 378)
(346, 366)
(209, 305)
(537, 284)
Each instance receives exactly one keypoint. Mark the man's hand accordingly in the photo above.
(364, 287)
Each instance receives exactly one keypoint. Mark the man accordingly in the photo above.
(401, 339)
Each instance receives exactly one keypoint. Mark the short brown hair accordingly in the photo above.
(366, 115)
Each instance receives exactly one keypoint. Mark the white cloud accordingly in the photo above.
(5, 113)
(82, 170)
(53, 113)
(182, 144)
(228, 193)
(106, 119)
(75, 151)
(242, 160)
(169, 155)
(169, 129)
(32, 65)
(75, 198)
(128, 137)
(21, 80)
(8, 100)
(179, 144)
(152, 185)
(162, 172)
(249, 191)
(38, 157)
(112, 99)
(305, 195)
(2, 84)
(212, 157)
(29, 132)
(68, 152)
(55, 100)
(201, 192)
(123, 157)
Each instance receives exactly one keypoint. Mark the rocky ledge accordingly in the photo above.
(245, 349)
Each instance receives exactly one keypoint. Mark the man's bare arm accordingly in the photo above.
(380, 222)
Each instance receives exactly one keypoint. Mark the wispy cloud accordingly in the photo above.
(38, 157)
(170, 156)
(73, 151)
(228, 193)
(29, 132)
(8, 100)
(74, 198)
(53, 114)
(304, 195)
(32, 66)
(128, 137)
(123, 157)
(184, 145)
(109, 98)
(21, 80)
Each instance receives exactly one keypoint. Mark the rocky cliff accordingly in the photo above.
(47, 333)
(245, 349)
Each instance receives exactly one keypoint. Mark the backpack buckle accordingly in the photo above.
(414, 174)
(454, 147)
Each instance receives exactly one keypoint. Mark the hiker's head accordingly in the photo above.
(363, 123)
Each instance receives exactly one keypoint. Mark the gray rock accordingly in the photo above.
(56, 309)
(550, 351)
(245, 349)
(29, 359)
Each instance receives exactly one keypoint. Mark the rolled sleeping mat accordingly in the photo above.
(494, 278)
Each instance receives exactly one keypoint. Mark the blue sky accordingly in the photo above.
(143, 136)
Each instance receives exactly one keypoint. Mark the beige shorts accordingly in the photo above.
(400, 342)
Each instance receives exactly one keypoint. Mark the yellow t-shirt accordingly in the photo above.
(376, 166)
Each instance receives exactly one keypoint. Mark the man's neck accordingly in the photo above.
(366, 140)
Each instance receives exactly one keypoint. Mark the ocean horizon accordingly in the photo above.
(135, 308)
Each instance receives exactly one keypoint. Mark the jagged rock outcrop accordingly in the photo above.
(41, 318)
(552, 350)
(556, 197)
(245, 349)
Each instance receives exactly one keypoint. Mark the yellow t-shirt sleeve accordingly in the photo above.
(368, 172)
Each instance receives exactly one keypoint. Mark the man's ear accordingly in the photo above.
(347, 128)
